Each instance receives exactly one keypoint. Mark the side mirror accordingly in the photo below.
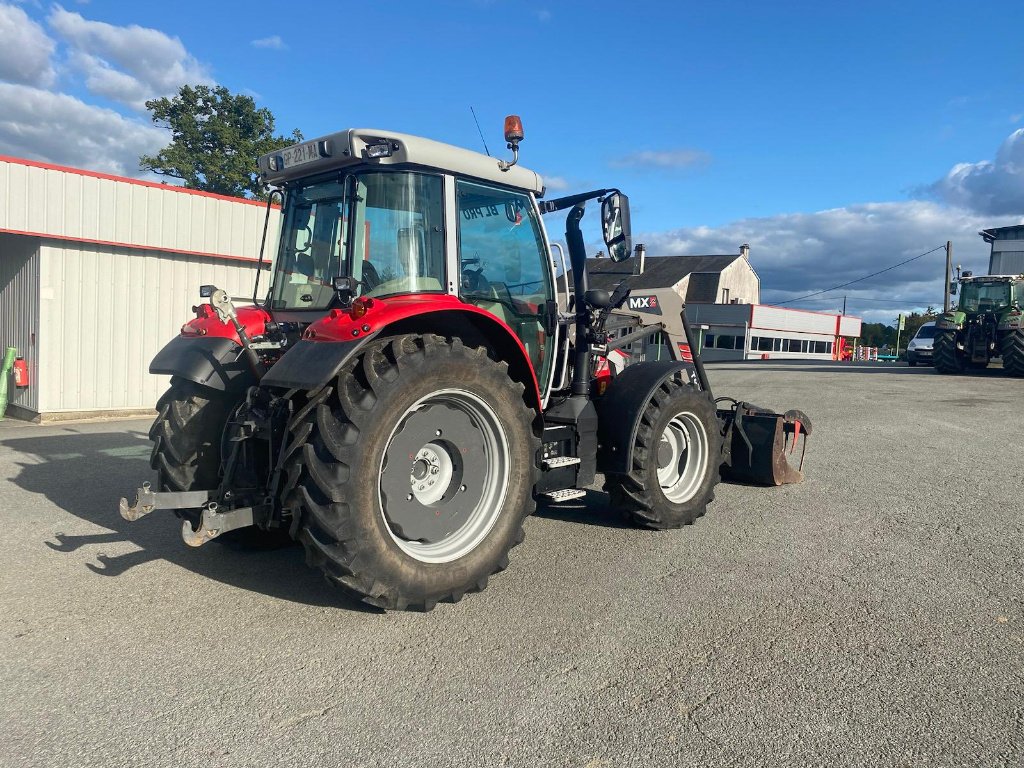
(206, 291)
(615, 224)
(952, 289)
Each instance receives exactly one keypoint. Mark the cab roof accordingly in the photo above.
(350, 147)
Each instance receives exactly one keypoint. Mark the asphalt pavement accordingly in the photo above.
(872, 615)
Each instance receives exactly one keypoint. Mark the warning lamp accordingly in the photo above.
(513, 135)
(513, 130)
(359, 307)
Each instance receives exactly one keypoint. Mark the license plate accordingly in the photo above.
(300, 154)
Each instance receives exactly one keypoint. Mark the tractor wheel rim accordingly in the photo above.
(444, 476)
(683, 457)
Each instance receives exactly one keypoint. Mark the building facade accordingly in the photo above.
(1007, 256)
(760, 332)
(98, 272)
(722, 296)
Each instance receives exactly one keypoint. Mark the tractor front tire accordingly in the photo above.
(410, 475)
(946, 357)
(1012, 350)
(186, 436)
(676, 456)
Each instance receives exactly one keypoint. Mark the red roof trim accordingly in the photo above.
(126, 180)
(115, 244)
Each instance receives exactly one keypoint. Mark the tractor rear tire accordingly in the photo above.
(410, 475)
(945, 356)
(1012, 349)
(676, 458)
(186, 436)
(186, 455)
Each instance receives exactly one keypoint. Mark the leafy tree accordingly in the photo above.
(877, 335)
(216, 138)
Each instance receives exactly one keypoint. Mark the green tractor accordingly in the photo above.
(987, 323)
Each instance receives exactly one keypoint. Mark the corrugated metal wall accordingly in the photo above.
(782, 319)
(19, 309)
(76, 205)
(107, 311)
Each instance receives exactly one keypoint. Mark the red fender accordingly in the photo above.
(369, 316)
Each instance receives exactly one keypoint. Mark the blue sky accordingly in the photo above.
(836, 139)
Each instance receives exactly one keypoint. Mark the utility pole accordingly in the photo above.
(844, 305)
(948, 277)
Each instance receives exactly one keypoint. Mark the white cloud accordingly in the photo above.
(543, 15)
(796, 254)
(556, 183)
(274, 42)
(993, 187)
(103, 80)
(54, 127)
(127, 64)
(672, 159)
(26, 55)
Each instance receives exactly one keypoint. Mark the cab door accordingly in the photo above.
(504, 267)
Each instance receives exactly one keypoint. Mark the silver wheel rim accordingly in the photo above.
(682, 457)
(462, 464)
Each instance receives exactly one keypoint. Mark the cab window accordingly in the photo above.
(398, 233)
(503, 263)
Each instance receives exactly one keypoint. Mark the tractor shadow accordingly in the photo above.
(86, 472)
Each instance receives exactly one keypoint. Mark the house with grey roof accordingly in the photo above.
(713, 279)
(722, 294)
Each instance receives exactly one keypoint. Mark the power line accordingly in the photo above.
(854, 299)
(861, 279)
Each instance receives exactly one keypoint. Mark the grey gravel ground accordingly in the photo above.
(870, 616)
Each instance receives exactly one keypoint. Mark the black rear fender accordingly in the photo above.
(214, 362)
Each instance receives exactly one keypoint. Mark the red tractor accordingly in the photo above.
(416, 378)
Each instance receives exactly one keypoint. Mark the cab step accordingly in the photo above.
(566, 494)
(560, 461)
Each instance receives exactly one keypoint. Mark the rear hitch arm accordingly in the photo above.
(148, 500)
(212, 522)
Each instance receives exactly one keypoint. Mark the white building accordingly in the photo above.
(760, 332)
(723, 293)
(98, 272)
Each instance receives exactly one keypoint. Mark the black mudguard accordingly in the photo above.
(311, 364)
(214, 362)
(623, 403)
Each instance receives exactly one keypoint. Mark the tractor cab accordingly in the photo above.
(401, 220)
(980, 295)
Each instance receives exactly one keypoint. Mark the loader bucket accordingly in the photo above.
(759, 444)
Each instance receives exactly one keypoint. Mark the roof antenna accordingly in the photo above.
(479, 130)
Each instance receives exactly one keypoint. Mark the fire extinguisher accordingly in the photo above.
(20, 371)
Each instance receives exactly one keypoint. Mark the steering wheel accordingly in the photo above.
(371, 278)
(473, 281)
